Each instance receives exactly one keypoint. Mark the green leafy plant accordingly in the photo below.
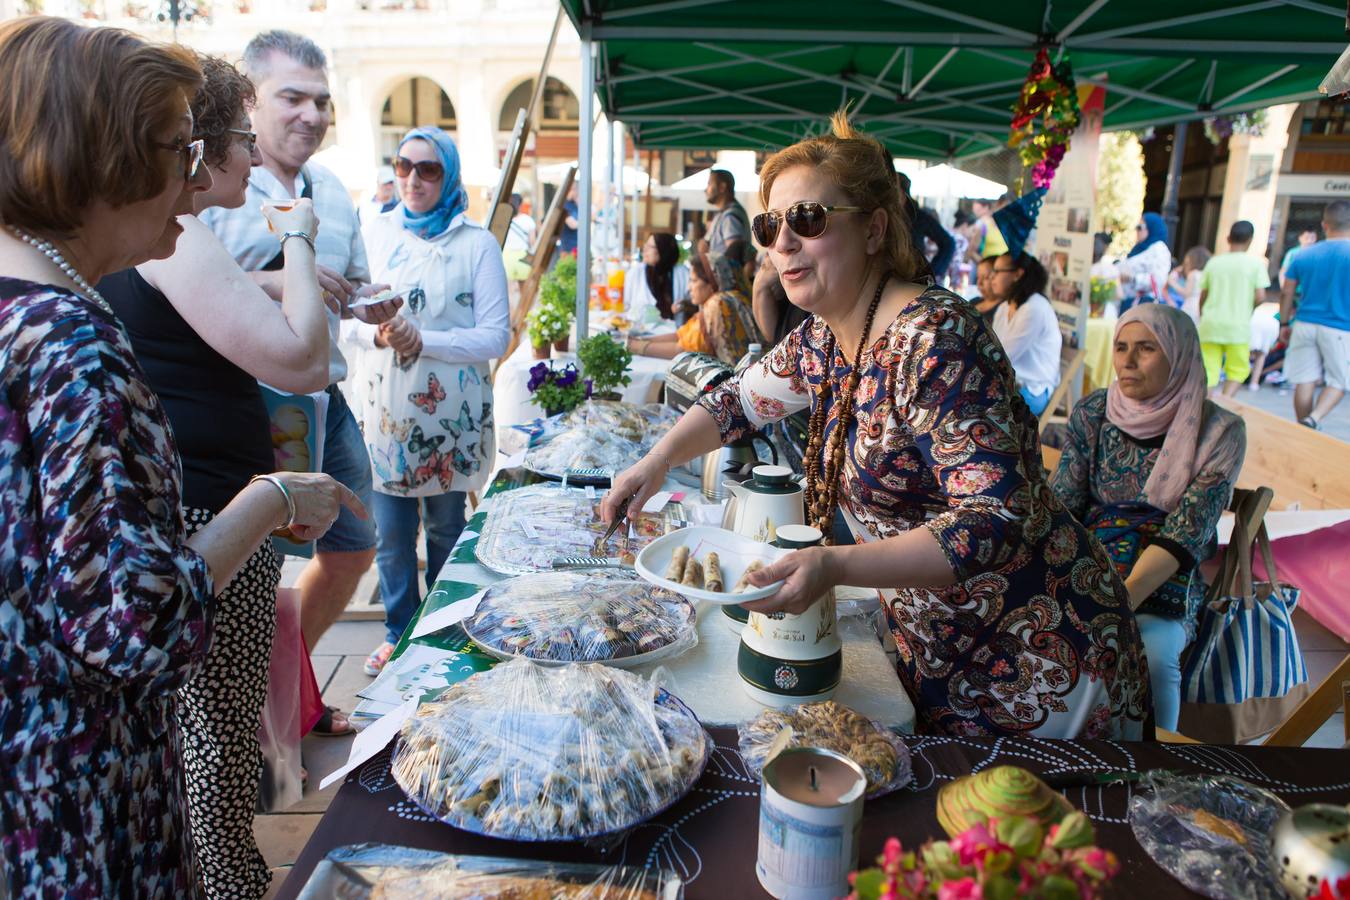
(557, 391)
(996, 860)
(551, 318)
(605, 362)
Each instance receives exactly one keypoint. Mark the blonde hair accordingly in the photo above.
(857, 164)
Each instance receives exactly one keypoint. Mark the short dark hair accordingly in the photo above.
(963, 218)
(225, 95)
(1241, 232)
(297, 47)
(724, 177)
(1337, 215)
(1034, 277)
(88, 107)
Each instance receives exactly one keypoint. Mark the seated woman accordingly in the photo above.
(651, 288)
(724, 327)
(1149, 466)
(1026, 325)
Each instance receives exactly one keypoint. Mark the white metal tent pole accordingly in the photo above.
(633, 226)
(618, 190)
(609, 189)
(585, 151)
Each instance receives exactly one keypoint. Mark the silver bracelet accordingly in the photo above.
(290, 501)
(300, 234)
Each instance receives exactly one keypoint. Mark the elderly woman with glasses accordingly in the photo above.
(205, 334)
(109, 606)
(419, 383)
(1008, 616)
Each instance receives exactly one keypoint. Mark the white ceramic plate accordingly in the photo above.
(735, 552)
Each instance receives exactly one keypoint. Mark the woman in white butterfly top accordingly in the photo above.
(419, 384)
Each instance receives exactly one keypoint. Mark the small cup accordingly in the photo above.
(279, 205)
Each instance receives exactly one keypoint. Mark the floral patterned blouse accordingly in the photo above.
(1102, 473)
(1036, 636)
(724, 327)
(105, 613)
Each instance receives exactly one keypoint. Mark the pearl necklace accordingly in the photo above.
(50, 251)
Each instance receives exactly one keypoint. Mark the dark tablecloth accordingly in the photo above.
(709, 837)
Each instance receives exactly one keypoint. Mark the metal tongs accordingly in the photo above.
(593, 562)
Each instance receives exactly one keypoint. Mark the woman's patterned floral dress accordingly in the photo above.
(1036, 636)
(105, 611)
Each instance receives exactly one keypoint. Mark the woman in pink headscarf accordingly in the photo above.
(1149, 466)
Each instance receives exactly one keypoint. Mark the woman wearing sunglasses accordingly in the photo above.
(725, 325)
(419, 383)
(1008, 616)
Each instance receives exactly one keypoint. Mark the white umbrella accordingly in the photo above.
(944, 181)
(555, 173)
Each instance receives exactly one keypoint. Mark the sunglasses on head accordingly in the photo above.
(427, 171)
(192, 156)
(806, 220)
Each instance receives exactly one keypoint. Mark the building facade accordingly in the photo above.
(463, 64)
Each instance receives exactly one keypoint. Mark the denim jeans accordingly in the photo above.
(346, 459)
(1164, 639)
(397, 519)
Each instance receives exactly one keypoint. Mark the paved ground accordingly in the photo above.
(1280, 402)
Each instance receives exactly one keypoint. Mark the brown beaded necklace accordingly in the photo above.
(821, 498)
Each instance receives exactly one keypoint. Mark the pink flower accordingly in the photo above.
(975, 843)
(965, 889)
(890, 853)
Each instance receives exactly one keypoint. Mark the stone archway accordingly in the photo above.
(560, 108)
(417, 100)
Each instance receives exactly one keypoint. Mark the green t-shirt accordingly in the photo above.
(1232, 280)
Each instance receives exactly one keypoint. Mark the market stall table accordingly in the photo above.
(709, 837)
(511, 394)
(1097, 356)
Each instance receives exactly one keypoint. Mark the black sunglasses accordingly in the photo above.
(192, 155)
(427, 171)
(806, 220)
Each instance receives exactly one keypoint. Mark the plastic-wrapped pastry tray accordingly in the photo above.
(608, 616)
(536, 753)
(527, 529)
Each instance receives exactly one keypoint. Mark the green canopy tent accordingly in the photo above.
(932, 81)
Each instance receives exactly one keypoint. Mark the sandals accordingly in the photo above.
(330, 725)
(378, 659)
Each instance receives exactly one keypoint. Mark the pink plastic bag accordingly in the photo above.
(279, 730)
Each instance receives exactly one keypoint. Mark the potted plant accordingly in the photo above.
(556, 391)
(546, 324)
(559, 289)
(605, 362)
(998, 859)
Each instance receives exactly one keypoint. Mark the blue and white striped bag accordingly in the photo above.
(1244, 672)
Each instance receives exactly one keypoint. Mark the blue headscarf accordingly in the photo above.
(1157, 231)
(453, 200)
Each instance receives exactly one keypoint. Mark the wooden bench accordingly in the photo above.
(1300, 465)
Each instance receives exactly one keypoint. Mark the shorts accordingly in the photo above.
(1318, 353)
(1232, 360)
(346, 459)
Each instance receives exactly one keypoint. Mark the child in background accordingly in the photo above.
(1231, 286)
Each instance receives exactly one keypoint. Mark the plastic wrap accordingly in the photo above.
(374, 871)
(527, 529)
(642, 423)
(583, 449)
(1211, 833)
(534, 753)
(597, 616)
(878, 751)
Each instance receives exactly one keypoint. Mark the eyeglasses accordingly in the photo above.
(427, 170)
(250, 137)
(806, 220)
(192, 153)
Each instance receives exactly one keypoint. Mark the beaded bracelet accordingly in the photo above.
(290, 501)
